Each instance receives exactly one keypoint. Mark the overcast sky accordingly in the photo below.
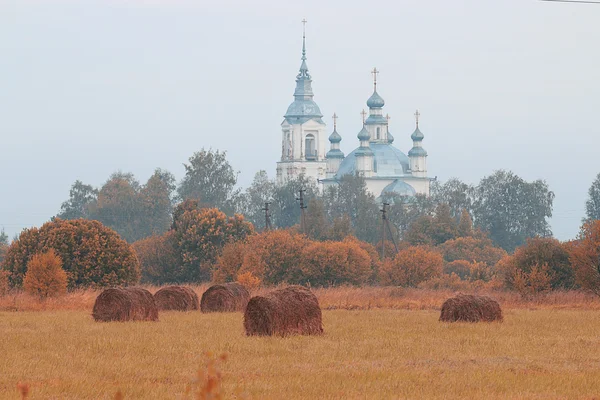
(91, 87)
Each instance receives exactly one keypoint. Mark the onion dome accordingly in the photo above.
(335, 137)
(375, 101)
(417, 151)
(417, 135)
(399, 187)
(363, 134)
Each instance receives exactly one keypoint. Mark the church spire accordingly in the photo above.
(303, 74)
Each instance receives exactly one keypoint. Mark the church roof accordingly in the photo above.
(388, 161)
(335, 137)
(375, 101)
(399, 187)
(417, 135)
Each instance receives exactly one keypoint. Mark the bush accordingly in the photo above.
(469, 271)
(584, 255)
(45, 276)
(539, 256)
(411, 267)
(3, 282)
(92, 254)
(334, 263)
(472, 249)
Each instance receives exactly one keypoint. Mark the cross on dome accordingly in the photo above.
(417, 115)
(335, 117)
(375, 72)
(364, 114)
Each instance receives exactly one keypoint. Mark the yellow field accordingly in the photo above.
(380, 354)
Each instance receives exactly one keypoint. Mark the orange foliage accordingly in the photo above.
(471, 271)
(333, 263)
(3, 282)
(45, 276)
(158, 259)
(411, 266)
(472, 249)
(585, 257)
(249, 280)
(92, 254)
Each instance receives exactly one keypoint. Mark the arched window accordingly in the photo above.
(378, 133)
(309, 145)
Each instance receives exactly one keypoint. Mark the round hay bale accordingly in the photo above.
(293, 310)
(471, 308)
(125, 304)
(176, 298)
(227, 297)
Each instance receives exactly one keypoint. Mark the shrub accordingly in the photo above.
(472, 249)
(3, 282)
(45, 276)
(92, 254)
(533, 283)
(411, 267)
(470, 271)
(538, 257)
(248, 280)
(584, 255)
(334, 263)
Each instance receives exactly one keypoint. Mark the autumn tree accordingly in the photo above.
(45, 276)
(455, 193)
(585, 257)
(92, 254)
(210, 179)
(272, 256)
(200, 235)
(511, 209)
(433, 230)
(465, 224)
(592, 205)
(472, 249)
(3, 245)
(159, 260)
(333, 263)
(411, 266)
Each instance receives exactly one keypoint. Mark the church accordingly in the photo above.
(304, 147)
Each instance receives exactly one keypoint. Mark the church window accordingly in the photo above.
(378, 133)
(309, 145)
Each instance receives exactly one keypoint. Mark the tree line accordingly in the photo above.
(509, 208)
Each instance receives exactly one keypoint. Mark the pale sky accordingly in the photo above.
(91, 87)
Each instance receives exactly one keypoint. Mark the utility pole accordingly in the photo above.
(267, 216)
(385, 226)
(302, 208)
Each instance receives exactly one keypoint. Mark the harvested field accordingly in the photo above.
(383, 354)
(125, 304)
(226, 297)
(471, 308)
(176, 298)
(290, 311)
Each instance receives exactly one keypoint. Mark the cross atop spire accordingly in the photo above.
(387, 117)
(374, 72)
(364, 114)
(417, 115)
(304, 21)
(335, 117)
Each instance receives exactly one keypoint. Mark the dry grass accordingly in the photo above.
(345, 298)
(542, 354)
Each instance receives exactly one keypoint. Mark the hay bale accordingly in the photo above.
(125, 304)
(293, 310)
(176, 298)
(471, 308)
(225, 298)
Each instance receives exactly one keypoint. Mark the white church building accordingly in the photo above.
(385, 168)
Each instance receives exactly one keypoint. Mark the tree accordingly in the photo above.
(350, 197)
(585, 257)
(427, 230)
(45, 276)
(254, 198)
(512, 210)
(334, 263)
(3, 245)
(455, 193)
(317, 226)
(156, 204)
(286, 208)
(92, 254)
(465, 224)
(159, 260)
(592, 205)
(473, 250)
(80, 198)
(200, 236)
(411, 266)
(210, 179)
